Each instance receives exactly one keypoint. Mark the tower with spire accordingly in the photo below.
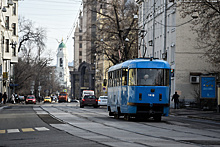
(62, 68)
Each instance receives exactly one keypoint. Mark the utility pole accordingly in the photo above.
(153, 43)
(165, 28)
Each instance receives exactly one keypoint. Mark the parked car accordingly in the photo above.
(89, 100)
(21, 98)
(47, 99)
(30, 99)
(54, 98)
(102, 101)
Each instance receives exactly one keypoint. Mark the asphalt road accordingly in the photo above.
(66, 124)
(20, 126)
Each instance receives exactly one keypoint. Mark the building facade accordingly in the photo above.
(167, 36)
(8, 46)
(83, 76)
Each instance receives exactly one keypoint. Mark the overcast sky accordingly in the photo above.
(58, 17)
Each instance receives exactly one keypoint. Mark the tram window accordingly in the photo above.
(117, 73)
(132, 77)
(110, 79)
(166, 76)
(113, 79)
(153, 77)
(124, 76)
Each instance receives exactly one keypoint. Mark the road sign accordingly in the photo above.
(104, 89)
(13, 85)
(5, 75)
(208, 87)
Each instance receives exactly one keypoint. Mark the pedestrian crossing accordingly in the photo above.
(24, 130)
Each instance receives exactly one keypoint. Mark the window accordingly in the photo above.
(7, 22)
(14, 51)
(14, 9)
(7, 45)
(13, 28)
(80, 53)
(132, 77)
(124, 76)
(80, 45)
(61, 62)
(113, 78)
(110, 79)
(80, 38)
(117, 77)
(152, 77)
(80, 61)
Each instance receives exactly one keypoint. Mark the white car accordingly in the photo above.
(102, 101)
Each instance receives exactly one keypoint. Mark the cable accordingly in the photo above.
(175, 25)
(53, 1)
(73, 26)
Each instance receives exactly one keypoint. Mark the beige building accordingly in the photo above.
(9, 41)
(83, 76)
(168, 36)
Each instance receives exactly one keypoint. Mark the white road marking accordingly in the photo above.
(13, 131)
(42, 129)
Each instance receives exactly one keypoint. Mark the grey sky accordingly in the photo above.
(58, 17)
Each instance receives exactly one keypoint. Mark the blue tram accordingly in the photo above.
(139, 88)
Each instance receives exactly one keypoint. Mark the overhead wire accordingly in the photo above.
(58, 2)
(73, 26)
(54, 1)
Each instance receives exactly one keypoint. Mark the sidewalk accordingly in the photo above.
(196, 113)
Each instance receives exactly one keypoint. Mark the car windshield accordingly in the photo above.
(62, 94)
(90, 96)
(30, 97)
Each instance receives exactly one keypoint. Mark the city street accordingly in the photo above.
(66, 124)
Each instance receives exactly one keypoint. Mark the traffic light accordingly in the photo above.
(172, 72)
(104, 82)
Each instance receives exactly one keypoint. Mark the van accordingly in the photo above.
(63, 97)
(87, 92)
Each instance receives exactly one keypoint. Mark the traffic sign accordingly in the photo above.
(13, 85)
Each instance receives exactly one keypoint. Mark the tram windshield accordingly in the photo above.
(148, 77)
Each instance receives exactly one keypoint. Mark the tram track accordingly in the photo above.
(95, 114)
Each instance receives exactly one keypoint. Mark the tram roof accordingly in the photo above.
(141, 63)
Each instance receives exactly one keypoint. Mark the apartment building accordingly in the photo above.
(83, 76)
(9, 41)
(166, 35)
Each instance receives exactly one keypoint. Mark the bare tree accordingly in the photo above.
(29, 34)
(116, 29)
(31, 66)
(207, 25)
